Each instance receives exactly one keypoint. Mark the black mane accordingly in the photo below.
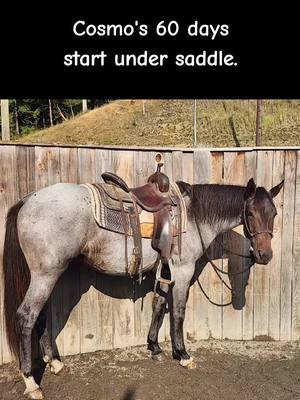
(212, 203)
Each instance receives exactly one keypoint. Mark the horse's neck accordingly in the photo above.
(209, 230)
(224, 226)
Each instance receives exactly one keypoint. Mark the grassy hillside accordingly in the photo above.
(170, 123)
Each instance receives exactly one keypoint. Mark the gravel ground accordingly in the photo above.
(227, 370)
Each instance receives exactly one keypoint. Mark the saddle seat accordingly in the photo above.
(149, 197)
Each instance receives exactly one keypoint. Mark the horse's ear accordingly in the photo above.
(250, 189)
(185, 188)
(276, 189)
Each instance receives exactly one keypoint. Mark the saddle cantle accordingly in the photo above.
(155, 210)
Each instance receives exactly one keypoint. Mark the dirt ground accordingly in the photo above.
(225, 370)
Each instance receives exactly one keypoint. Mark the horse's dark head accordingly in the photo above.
(259, 214)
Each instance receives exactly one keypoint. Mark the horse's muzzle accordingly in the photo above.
(261, 257)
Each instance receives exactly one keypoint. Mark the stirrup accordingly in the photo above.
(158, 276)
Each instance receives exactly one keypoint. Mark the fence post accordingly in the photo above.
(5, 120)
(195, 124)
(50, 113)
(84, 105)
(259, 113)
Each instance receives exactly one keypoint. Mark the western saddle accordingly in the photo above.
(152, 197)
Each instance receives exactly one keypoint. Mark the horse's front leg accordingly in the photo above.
(183, 275)
(158, 313)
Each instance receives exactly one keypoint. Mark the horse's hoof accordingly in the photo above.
(56, 367)
(64, 371)
(37, 394)
(158, 357)
(188, 364)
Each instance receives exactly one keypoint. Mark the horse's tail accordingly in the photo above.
(16, 278)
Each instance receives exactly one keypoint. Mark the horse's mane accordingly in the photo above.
(212, 203)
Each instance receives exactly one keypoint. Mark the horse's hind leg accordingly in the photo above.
(158, 313)
(56, 365)
(40, 288)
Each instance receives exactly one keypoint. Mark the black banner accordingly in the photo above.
(52, 54)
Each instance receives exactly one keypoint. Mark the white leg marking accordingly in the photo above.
(188, 364)
(32, 391)
(56, 366)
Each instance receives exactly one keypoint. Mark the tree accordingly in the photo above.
(30, 114)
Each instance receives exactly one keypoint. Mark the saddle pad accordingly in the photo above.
(108, 213)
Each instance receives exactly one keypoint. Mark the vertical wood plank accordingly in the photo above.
(102, 162)
(123, 310)
(41, 181)
(296, 258)
(144, 166)
(287, 245)
(48, 165)
(234, 174)
(261, 272)
(71, 278)
(88, 308)
(22, 182)
(215, 290)
(275, 264)
(202, 174)
(248, 310)
(68, 165)
(164, 333)
(8, 196)
(104, 302)
(188, 176)
(178, 168)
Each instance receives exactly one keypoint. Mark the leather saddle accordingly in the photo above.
(149, 197)
(153, 197)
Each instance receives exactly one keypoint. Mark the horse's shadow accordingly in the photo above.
(234, 249)
(78, 279)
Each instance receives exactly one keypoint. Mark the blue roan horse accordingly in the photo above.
(54, 225)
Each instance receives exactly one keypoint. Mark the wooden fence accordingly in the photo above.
(91, 312)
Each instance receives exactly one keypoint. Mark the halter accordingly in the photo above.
(246, 225)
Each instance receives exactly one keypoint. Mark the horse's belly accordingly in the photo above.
(106, 253)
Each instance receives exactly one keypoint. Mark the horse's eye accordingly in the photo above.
(250, 214)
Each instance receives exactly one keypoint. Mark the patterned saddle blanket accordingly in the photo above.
(112, 214)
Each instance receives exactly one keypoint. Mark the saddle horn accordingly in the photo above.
(159, 177)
